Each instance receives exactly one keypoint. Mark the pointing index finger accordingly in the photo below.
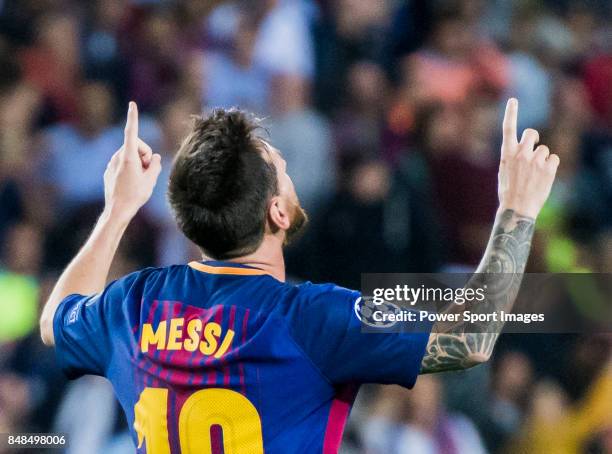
(131, 129)
(510, 120)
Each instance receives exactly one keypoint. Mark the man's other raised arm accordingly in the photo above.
(526, 175)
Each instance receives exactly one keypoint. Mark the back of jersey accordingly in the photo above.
(222, 358)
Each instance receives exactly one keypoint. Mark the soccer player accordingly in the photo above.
(224, 356)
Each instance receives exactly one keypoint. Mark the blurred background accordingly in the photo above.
(388, 114)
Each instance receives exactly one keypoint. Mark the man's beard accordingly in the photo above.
(298, 224)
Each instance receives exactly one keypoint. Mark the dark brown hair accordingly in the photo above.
(220, 185)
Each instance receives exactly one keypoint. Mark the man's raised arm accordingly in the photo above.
(526, 175)
(128, 183)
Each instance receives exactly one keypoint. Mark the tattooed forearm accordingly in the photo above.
(451, 347)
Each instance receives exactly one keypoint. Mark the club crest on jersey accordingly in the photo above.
(364, 310)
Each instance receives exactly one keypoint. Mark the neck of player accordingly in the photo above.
(268, 256)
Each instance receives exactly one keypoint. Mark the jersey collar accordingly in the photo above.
(216, 267)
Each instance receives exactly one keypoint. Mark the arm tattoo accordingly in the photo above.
(501, 270)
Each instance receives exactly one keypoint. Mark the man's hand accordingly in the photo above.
(132, 172)
(526, 172)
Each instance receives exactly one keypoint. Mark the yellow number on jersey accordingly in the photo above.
(232, 411)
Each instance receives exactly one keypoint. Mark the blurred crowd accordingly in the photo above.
(388, 115)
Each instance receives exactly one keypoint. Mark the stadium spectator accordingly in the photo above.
(557, 423)
(53, 64)
(407, 422)
(103, 59)
(305, 137)
(232, 77)
(77, 154)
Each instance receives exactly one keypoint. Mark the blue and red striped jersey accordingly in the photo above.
(216, 357)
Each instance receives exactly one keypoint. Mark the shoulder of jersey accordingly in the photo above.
(326, 291)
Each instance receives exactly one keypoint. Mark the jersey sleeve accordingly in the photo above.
(330, 333)
(84, 327)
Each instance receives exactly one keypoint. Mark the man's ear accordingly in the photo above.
(278, 214)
